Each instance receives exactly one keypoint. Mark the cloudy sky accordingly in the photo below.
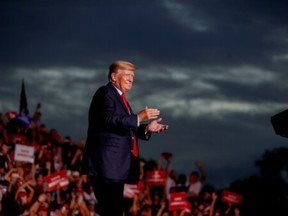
(215, 68)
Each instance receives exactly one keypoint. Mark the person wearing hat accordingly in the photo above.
(111, 156)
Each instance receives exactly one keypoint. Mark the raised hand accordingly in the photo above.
(148, 114)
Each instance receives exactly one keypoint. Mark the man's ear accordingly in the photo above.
(113, 77)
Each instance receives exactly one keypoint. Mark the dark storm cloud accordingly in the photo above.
(239, 32)
(57, 33)
(42, 32)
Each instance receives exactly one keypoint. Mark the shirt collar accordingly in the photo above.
(118, 90)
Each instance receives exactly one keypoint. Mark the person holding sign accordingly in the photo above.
(111, 156)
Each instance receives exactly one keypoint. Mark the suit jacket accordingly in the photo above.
(107, 153)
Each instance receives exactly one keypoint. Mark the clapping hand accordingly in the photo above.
(155, 127)
(148, 114)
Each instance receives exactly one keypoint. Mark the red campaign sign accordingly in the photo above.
(178, 201)
(56, 178)
(19, 139)
(132, 189)
(231, 197)
(156, 178)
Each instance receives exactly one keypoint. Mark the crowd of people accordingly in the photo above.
(40, 174)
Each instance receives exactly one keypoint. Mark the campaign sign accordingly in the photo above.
(18, 139)
(231, 197)
(156, 178)
(24, 153)
(56, 178)
(178, 201)
(132, 189)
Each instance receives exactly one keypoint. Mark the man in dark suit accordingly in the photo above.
(111, 157)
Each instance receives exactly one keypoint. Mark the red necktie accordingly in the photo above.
(135, 148)
(125, 102)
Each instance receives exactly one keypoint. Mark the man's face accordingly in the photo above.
(193, 178)
(123, 79)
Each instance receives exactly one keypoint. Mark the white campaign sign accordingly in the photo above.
(24, 153)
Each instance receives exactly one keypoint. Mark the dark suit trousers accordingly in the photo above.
(109, 196)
